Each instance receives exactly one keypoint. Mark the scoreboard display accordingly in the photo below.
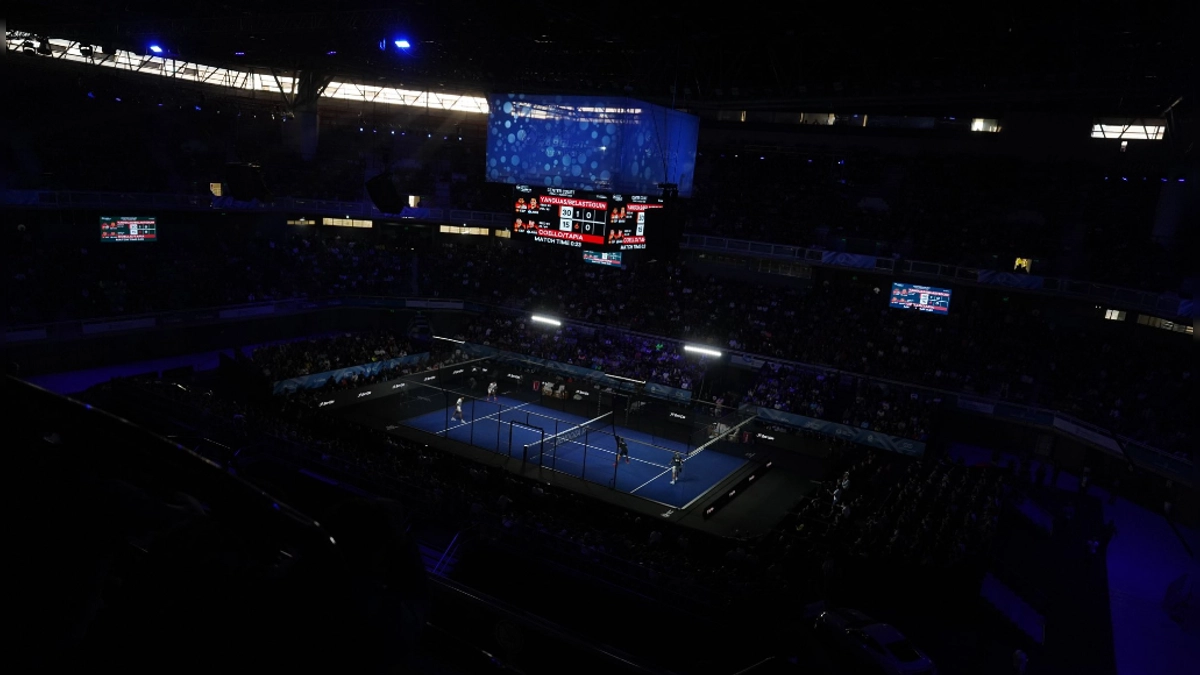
(921, 298)
(607, 258)
(128, 228)
(591, 221)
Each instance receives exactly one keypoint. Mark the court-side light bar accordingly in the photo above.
(701, 350)
(457, 342)
(537, 318)
(627, 379)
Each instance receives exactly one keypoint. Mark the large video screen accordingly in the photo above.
(592, 221)
(598, 144)
(921, 298)
(128, 228)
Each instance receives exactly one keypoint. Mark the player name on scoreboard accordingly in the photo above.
(128, 228)
(587, 220)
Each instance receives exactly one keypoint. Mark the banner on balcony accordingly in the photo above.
(848, 260)
(873, 439)
(1090, 435)
(656, 390)
(365, 370)
(1008, 279)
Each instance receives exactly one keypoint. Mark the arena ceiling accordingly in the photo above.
(671, 51)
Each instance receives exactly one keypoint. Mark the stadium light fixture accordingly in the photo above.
(545, 319)
(704, 351)
(156, 49)
(626, 379)
(402, 44)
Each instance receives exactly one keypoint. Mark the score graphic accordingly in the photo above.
(129, 228)
(582, 220)
(921, 298)
(591, 221)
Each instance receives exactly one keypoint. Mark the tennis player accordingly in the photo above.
(622, 451)
(492, 392)
(676, 468)
(458, 414)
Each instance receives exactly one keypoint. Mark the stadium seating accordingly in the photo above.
(1075, 220)
(1018, 348)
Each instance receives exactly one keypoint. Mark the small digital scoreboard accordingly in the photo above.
(590, 221)
(607, 258)
(921, 298)
(128, 228)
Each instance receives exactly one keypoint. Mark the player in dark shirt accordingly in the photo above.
(622, 451)
(676, 468)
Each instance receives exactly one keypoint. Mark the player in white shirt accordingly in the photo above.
(491, 396)
(458, 413)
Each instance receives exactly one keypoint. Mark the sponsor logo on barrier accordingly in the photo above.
(678, 416)
(844, 432)
(814, 425)
(398, 386)
(763, 436)
(581, 392)
(322, 404)
(514, 377)
(361, 394)
(460, 371)
(709, 510)
(430, 378)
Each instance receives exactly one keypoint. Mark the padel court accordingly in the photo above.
(572, 431)
(570, 444)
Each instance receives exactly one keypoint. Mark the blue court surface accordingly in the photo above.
(534, 432)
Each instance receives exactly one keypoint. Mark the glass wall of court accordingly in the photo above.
(564, 423)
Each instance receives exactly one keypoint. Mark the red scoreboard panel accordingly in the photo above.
(588, 220)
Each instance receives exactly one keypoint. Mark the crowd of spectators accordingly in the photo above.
(56, 274)
(1022, 349)
(1019, 348)
(929, 513)
(284, 360)
(1070, 219)
(891, 409)
(651, 359)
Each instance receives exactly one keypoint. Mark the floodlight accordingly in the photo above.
(704, 351)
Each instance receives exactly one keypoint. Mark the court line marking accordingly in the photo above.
(613, 453)
(604, 450)
(694, 454)
(495, 414)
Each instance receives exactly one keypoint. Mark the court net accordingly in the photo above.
(547, 448)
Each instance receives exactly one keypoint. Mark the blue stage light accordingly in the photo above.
(156, 49)
(403, 44)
